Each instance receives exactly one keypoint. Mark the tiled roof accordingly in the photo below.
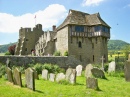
(81, 18)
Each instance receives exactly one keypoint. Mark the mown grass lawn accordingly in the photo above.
(112, 87)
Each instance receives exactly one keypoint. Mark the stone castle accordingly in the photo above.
(84, 36)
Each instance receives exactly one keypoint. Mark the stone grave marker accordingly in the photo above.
(17, 77)
(98, 73)
(88, 72)
(52, 77)
(79, 70)
(9, 74)
(127, 70)
(92, 83)
(45, 74)
(102, 62)
(36, 74)
(29, 79)
(8, 62)
(60, 76)
(71, 75)
(112, 67)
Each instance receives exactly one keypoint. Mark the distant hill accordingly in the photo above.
(112, 45)
(116, 44)
(4, 48)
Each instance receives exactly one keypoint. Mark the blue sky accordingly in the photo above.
(19, 13)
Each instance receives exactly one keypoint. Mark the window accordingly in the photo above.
(79, 44)
(25, 49)
(80, 58)
(79, 28)
(92, 45)
(93, 58)
(96, 40)
(26, 39)
(97, 28)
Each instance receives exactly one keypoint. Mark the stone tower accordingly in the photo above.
(84, 36)
(27, 40)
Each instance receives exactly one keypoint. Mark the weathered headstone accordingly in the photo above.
(45, 74)
(9, 74)
(88, 72)
(98, 73)
(92, 83)
(71, 75)
(8, 62)
(52, 77)
(127, 70)
(36, 74)
(79, 70)
(112, 66)
(17, 77)
(29, 79)
(60, 76)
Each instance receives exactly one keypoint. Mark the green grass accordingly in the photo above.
(112, 87)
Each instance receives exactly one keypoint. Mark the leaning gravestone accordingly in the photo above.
(88, 72)
(127, 70)
(92, 83)
(17, 77)
(112, 66)
(45, 74)
(71, 75)
(79, 70)
(98, 73)
(52, 77)
(60, 76)
(29, 79)
(9, 74)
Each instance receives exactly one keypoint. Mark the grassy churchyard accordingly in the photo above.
(114, 86)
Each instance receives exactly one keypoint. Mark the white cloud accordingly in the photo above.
(91, 2)
(47, 17)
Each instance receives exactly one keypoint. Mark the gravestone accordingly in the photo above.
(45, 74)
(52, 77)
(8, 62)
(98, 73)
(60, 76)
(9, 74)
(17, 77)
(71, 75)
(92, 83)
(29, 79)
(127, 70)
(88, 72)
(102, 63)
(36, 74)
(112, 66)
(79, 70)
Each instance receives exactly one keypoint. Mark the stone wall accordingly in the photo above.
(63, 62)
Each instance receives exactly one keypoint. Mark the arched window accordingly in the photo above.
(80, 44)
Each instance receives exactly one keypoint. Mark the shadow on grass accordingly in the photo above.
(39, 91)
(79, 84)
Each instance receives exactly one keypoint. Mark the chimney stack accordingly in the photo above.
(53, 27)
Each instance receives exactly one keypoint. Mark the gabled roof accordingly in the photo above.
(81, 18)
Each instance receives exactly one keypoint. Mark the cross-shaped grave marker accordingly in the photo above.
(102, 62)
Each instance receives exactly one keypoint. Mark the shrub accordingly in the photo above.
(64, 82)
(66, 53)
(2, 69)
(7, 53)
(38, 67)
(57, 53)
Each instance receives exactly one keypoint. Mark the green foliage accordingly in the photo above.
(57, 53)
(7, 53)
(116, 44)
(38, 67)
(2, 69)
(126, 50)
(66, 53)
(106, 67)
(52, 68)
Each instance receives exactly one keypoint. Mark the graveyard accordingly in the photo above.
(73, 82)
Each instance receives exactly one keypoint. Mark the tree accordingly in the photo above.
(11, 49)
